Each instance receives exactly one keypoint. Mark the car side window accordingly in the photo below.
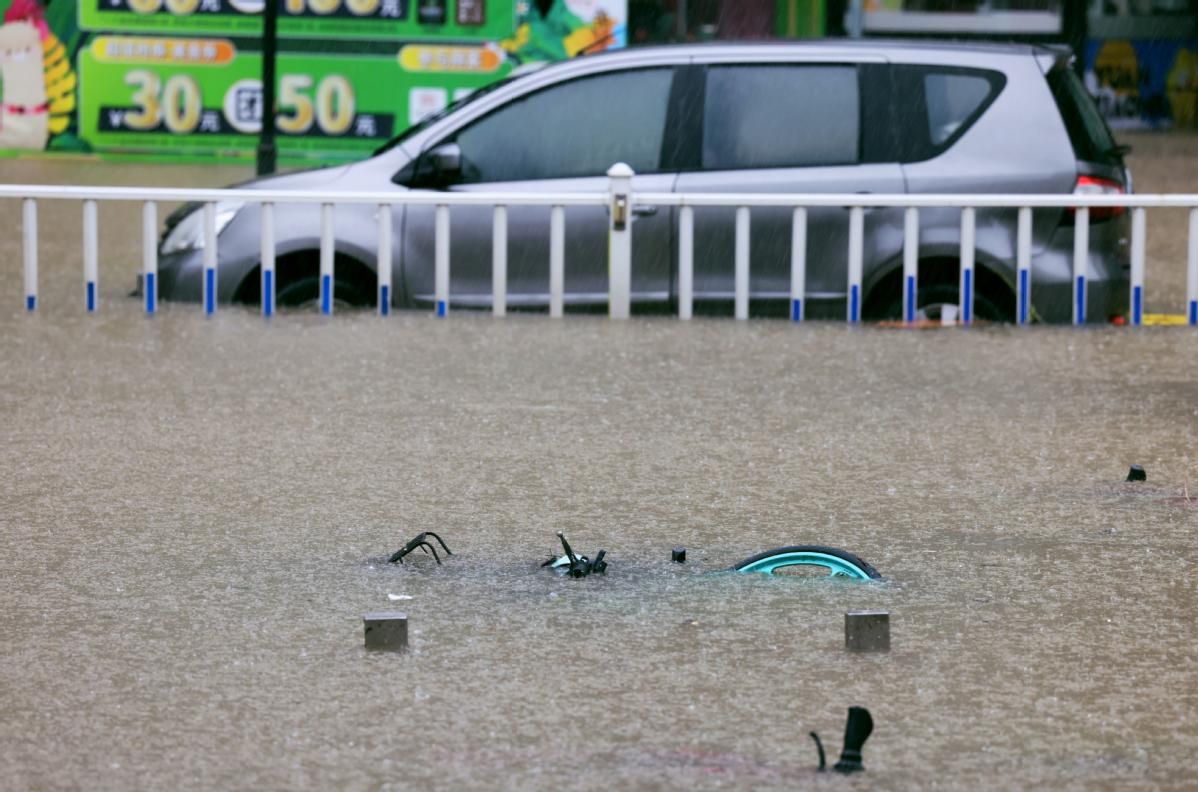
(577, 128)
(952, 99)
(931, 107)
(781, 116)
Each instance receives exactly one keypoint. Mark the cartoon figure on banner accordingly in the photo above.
(1182, 88)
(1114, 80)
(550, 30)
(24, 111)
(38, 91)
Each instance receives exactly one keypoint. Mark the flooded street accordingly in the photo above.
(197, 514)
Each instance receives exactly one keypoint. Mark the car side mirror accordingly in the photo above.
(445, 162)
(435, 169)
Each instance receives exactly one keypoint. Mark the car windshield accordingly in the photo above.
(433, 118)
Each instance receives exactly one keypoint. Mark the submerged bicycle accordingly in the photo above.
(835, 562)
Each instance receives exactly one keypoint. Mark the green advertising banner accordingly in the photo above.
(180, 79)
(201, 95)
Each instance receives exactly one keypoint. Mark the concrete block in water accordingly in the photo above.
(867, 631)
(386, 631)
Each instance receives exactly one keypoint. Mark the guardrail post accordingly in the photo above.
(149, 254)
(557, 259)
(798, 263)
(441, 260)
(742, 263)
(384, 259)
(1081, 251)
(1138, 240)
(619, 251)
(856, 254)
(1192, 280)
(267, 227)
(326, 258)
(686, 262)
(29, 234)
(1023, 266)
(968, 236)
(499, 262)
(91, 265)
(209, 258)
(910, 263)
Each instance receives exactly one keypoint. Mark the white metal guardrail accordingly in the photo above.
(619, 199)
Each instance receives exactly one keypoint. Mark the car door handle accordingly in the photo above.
(644, 210)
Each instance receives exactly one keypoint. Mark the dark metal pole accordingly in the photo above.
(1075, 30)
(266, 138)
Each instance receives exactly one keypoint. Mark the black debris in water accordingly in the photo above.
(419, 540)
(857, 729)
(577, 566)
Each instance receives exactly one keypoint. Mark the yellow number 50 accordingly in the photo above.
(333, 111)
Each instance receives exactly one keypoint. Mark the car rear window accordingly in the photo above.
(1091, 138)
(780, 116)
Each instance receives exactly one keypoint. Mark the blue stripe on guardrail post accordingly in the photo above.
(1137, 306)
(442, 308)
(384, 300)
(1193, 313)
(209, 291)
(30, 302)
(967, 308)
(326, 294)
(909, 311)
(1079, 297)
(796, 310)
(268, 293)
(1023, 296)
(91, 296)
(149, 281)
(855, 304)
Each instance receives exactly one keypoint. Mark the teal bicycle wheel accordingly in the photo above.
(839, 563)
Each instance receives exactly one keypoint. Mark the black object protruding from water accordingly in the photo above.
(856, 731)
(678, 555)
(819, 746)
(1136, 473)
(419, 540)
(577, 566)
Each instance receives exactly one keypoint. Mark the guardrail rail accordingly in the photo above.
(619, 199)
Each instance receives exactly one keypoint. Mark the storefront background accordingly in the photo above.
(179, 79)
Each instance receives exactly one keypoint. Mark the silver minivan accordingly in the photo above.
(819, 117)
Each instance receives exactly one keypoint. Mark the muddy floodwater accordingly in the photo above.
(196, 514)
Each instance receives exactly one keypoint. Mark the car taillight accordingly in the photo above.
(1093, 185)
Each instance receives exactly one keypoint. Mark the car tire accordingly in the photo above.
(931, 298)
(304, 292)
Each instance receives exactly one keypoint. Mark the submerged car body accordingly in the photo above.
(821, 117)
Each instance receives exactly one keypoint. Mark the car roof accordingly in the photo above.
(863, 46)
(936, 49)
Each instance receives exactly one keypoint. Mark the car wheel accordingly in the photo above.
(305, 293)
(933, 297)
